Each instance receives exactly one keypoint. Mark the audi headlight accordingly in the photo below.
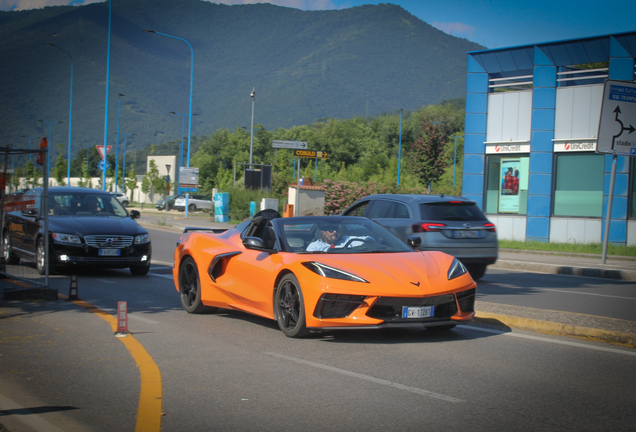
(144, 238)
(331, 272)
(456, 269)
(66, 238)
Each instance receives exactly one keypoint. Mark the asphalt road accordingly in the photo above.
(232, 371)
(62, 368)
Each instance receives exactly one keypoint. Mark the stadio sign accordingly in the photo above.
(574, 147)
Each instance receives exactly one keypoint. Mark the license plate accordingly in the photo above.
(418, 311)
(466, 234)
(109, 252)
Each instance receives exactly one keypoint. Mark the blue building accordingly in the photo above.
(532, 118)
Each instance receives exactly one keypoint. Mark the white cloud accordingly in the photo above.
(455, 29)
(7, 5)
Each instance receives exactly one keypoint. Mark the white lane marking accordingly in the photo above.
(33, 421)
(584, 293)
(368, 378)
(164, 263)
(161, 275)
(555, 341)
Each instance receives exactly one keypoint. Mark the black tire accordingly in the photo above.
(40, 257)
(9, 257)
(192, 208)
(190, 288)
(290, 308)
(140, 270)
(124, 204)
(476, 271)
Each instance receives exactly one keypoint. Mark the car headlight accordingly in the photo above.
(331, 272)
(456, 269)
(66, 238)
(144, 238)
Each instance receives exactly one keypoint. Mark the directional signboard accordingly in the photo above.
(289, 144)
(314, 154)
(618, 119)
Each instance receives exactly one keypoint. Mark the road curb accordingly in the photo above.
(618, 338)
(624, 275)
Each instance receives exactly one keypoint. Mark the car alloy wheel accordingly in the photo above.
(40, 257)
(290, 308)
(190, 288)
(9, 257)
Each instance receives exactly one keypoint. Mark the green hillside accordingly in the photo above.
(305, 66)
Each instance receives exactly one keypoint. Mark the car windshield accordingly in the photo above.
(84, 204)
(338, 235)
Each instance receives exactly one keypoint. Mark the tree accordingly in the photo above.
(60, 167)
(152, 182)
(85, 179)
(130, 183)
(427, 155)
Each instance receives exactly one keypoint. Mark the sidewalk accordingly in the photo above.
(553, 322)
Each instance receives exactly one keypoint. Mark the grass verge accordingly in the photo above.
(589, 248)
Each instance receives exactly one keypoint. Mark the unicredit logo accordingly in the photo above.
(497, 149)
(567, 146)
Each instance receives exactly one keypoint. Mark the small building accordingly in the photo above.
(530, 160)
(311, 200)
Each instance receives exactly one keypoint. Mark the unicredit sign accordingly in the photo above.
(574, 146)
(507, 148)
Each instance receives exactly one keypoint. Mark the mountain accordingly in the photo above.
(304, 65)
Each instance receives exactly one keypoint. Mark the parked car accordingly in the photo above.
(366, 278)
(123, 199)
(161, 204)
(446, 223)
(87, 227)
(195, 202)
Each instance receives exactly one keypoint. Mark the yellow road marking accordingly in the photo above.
(150, 396)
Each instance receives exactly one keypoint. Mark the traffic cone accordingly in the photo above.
(72, 292)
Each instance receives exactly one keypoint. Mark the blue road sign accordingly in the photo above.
(100, 165)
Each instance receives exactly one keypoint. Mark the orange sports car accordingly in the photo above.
(321, 273)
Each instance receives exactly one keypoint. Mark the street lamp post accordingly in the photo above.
(48, 157)
(180, 164)
(117, 141)
(110, 15)
(400, 148)
(123, 176)
(252, 95)
(70, 114)
(191, 81)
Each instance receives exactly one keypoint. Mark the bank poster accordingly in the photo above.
(509, 186)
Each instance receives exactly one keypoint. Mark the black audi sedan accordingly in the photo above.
(87, 227)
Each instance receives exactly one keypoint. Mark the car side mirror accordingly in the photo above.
(135, 214)
(30, 212)
(414, 241)
(256, 243)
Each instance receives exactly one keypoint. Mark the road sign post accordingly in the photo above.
(615, 129)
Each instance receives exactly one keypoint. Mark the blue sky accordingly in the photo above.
(492, 23)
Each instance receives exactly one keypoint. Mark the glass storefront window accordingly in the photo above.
(507, 184)
(579, 185)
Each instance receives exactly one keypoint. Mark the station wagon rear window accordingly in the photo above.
(451, 211)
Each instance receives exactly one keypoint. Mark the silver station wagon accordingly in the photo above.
(446, 223)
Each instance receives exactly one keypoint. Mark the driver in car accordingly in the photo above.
(331, 237)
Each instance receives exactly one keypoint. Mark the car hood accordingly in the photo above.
(409, 273)
(92, 225)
